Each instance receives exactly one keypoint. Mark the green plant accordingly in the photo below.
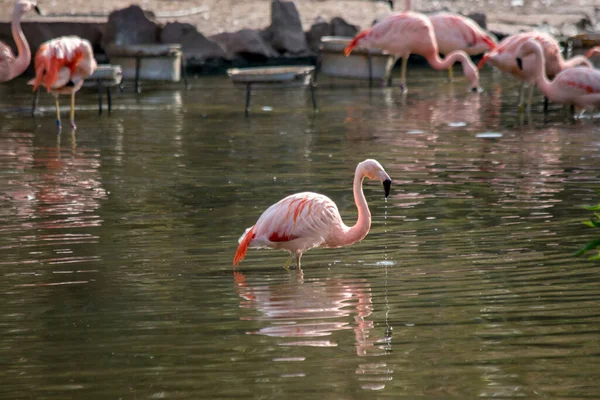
(594, 244)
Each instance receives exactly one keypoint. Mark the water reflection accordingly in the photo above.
(306, 310)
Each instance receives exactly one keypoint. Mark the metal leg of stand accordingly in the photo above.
(313, 96)
(36, 98)
(248, 90)
(99, 98)
(184, 73)
(108, 99)
(370, 67)
(138, 63)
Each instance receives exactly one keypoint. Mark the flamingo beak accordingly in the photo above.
(387, 185)
(520, 63)
(37, 9)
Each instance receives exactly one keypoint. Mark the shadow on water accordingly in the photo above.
(116, 243)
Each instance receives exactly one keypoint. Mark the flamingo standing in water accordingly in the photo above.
(61, 65)
(11, 66)
(410, 32)
(456, 32)
(578, 86)
(302, 221)
(504, 57)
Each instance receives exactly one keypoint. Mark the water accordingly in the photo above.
(116, 246)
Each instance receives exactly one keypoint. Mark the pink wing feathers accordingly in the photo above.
(307, 216)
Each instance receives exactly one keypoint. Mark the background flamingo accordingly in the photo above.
(11, 66)
(578, 86)
(456, 32)
(410, 32)
(306, 220)
(504, 57)
(61, 65)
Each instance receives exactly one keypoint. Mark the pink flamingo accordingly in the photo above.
(61, 65)
(456, 32)
(578, 86)
(504, 55)
(410, 32)
(302, 221)
(592, 52)
(11, 66)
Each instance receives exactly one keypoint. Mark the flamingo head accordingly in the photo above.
(356, 41)
(24, 6)
(529, 49)
(472, 75)
(373, 170)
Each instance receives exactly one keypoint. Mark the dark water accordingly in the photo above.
(116, 246)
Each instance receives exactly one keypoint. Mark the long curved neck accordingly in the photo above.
(363, 224)
(438, 63)
(22, 61)
(539, 69)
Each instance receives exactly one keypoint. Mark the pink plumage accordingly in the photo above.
(61, 65)
(303, 221)
(456, 32)
(412, 33)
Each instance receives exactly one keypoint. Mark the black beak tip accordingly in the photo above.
(37, 10)
(474, 89)
(387, 185)
(520, 63)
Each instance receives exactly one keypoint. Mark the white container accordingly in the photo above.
(356, 65)
(158, 62)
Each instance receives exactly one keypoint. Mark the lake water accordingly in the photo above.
(116, 246)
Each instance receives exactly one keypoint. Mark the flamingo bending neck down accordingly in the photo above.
(61, 65)
(578, 86)
(504, 55)
(412, 33)
(11, 66)
(302, 221)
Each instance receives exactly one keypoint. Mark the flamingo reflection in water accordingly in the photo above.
(306, 311)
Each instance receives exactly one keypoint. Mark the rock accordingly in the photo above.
(341, 28)
(247, 42)
(317, 31)
(194, 44)
(131, 25)
(480, 18)
(285, 34)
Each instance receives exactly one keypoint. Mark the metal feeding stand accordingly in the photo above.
(274, 78)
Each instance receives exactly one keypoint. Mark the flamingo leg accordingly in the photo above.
(403, 73)
(73, 111)
(57, 112)
(522, 97)
(286, 266)
(530, 96)
(451, 74)
(298, 257)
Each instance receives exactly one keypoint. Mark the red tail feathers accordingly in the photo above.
(489, 42)
(354, 42)
(243, 247)
(483, 60)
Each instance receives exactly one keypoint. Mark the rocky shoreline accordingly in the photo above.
(287, 37)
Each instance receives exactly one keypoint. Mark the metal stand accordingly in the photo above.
(248, 90)
(313, 97)
(138, 64)
(36, 98)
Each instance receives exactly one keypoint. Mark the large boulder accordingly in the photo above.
(316, 32)
(340, 27)
(246, 43)
(194, 44)
(131, 25)
(285, 34)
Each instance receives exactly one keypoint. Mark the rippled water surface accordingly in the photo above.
(116, 245)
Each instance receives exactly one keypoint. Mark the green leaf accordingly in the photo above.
(594, 258)
(593, 208)
(594, 223)
(592, 244)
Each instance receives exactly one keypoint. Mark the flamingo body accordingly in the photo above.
(62, 65)
(303, 221)
(578, 86)
(456, 32)
(11, 66)
(412, 33)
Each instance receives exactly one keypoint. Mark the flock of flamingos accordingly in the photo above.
(307, 220)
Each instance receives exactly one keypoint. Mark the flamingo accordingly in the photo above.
(61, 65)
(456, 32)
(11, 66)
(592, 52)
(504, 55)
(302, 221)
(578, 86)
(409, 32)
